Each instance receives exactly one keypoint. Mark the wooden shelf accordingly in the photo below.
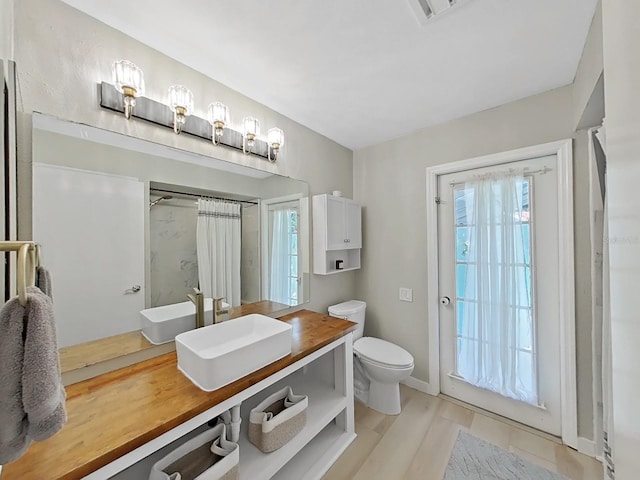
(313, 461)
(331, 272)
(325, 404)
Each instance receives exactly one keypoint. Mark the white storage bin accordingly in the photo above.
(277, 419)
(209, 456)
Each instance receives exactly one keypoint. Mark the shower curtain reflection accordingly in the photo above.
(219, 246)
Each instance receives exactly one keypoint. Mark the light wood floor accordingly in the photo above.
(417, 443)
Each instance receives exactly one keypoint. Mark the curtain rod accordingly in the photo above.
(202, 196)
(525, 173)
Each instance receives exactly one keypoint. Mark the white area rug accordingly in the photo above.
(475, 459)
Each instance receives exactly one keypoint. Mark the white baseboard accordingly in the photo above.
(420, 385)
(587, 447)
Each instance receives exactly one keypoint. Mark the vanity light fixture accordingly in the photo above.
(181, 104)
(218, 118)
(129, 81)
(128, 88)
(275, 140)
(251, 129)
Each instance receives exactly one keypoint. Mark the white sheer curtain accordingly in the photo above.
(219, 246)
(280, 268)
(496, 343)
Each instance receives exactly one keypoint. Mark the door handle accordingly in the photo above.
(445, 300)
(133, 289)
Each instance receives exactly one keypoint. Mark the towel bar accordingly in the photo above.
(27, 250)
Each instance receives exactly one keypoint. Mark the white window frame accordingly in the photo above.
(564, 152)
(264, 239)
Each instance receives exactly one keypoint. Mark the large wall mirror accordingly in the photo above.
(125, 224)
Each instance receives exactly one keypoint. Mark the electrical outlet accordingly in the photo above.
(406, 294)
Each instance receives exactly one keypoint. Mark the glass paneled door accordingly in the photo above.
(283, 281)
(498, 270)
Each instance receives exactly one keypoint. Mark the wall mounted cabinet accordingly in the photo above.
(337, 234)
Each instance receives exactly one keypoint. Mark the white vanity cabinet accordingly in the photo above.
(337, 234)
(325, 376)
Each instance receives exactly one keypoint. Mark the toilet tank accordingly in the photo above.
(353, 310)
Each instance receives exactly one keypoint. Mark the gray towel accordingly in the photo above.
(13, 419)
(31, 393)
(43, 395)
(43, 281)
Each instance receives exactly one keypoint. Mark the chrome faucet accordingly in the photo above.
(198, 300)
(218, 311)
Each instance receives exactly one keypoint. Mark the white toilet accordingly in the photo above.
(379, 366)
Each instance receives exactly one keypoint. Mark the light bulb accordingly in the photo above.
(218, 118)
(181, 104)
(251, 128)
(275, 139)
(128, 80)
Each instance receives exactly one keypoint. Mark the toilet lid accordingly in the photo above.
(382, 352)
(347, 308)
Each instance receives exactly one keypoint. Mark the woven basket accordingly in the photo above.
(277, 419)
(208, 456)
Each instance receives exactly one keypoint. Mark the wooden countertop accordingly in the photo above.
(96, 351)
(113, 414)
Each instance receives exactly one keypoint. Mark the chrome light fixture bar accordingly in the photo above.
(161, 114)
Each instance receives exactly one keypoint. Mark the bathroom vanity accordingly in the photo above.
(121, 422)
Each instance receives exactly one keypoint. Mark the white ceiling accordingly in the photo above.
(361, 72)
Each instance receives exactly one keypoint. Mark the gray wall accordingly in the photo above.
(589, 68)
(390, 181)
(622, 97)
(62, 54)
(6, 30)
(583, 261)
(589, 72)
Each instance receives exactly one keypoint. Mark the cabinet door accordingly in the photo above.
(336, 237)
(353, 224)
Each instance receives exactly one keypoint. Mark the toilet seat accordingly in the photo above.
(382, 353)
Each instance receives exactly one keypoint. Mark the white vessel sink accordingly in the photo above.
(162, 324)
(217, 355)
